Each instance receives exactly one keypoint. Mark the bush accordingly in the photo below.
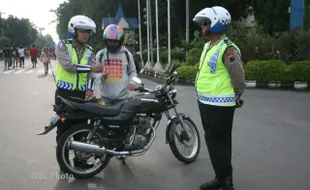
(298, 71)
(266, 70)
(193, 56)
(177, 63)
(275, 70)
(269, 70)
(188, 72)
(178, 54)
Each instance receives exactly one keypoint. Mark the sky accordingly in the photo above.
(37, 11)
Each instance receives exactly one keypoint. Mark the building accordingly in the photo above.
(129, 24)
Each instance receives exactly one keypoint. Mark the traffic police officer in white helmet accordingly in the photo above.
(74, 61)
(219, 85)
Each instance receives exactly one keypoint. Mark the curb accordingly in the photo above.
(157, 77)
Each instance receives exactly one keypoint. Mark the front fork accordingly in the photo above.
(184, 135)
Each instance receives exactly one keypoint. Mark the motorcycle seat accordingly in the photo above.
(95, 108)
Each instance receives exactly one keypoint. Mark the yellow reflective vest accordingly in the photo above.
(69, 80)
(213, 82)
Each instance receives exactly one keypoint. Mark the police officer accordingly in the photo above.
(74, 61)
(219, 85)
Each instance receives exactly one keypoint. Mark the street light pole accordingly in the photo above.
(151, 33)
(158, 66)
(187, 23)
(148, 64)
(140, 35)
(169, 35)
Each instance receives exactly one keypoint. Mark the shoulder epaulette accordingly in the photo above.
(68, 41)
(89, 47)
(228, 42)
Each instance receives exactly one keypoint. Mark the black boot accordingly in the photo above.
(214, 184)
(227, 184)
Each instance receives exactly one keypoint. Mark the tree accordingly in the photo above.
(272, 15)
(45, 41)
(19, 31)
(98, 9)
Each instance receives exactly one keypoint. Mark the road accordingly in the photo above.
(271, 143)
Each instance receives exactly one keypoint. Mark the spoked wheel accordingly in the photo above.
(185, 142)
(80, 164)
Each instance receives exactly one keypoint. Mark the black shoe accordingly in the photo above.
(214, 184)
(227, 184)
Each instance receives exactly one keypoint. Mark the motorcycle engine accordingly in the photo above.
(139, 133)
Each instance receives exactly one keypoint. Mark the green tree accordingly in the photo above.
(272, 15)
(19, 31)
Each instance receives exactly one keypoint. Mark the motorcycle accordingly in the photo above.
(125, 129)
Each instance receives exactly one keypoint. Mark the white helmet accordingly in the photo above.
(219, 18)
(80, 22)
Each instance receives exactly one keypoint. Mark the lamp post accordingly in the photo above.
(169, 35)
(140, 34)
(158, 67)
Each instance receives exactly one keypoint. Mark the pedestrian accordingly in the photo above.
(45, 59)
(74, 61)
(34, 54)
(21, 53)
(1, 54)
(15, 56)
(118, 64)
(219, 85)
(7, 53)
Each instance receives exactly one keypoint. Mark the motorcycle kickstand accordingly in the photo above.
(122, 159)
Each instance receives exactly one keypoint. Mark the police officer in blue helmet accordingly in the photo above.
(219, 86)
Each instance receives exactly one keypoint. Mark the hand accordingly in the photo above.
(89, 95)
(104, 76)
(132, 86)
(239, 103)
(96, 68)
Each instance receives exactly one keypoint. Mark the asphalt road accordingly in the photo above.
(271, 143)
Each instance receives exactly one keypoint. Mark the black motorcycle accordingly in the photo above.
(125, 129)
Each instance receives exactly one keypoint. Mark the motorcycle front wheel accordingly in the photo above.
(185, 142)
(80, 166)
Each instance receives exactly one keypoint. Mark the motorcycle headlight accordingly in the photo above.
(173, 93)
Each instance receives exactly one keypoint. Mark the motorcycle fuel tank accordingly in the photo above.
(143, 103)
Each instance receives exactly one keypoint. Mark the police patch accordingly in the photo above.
(230, 55)
(60, 45)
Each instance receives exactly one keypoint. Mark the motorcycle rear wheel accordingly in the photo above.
(61, 148)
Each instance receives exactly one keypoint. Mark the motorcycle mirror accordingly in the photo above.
(137, 80)
(172, 68)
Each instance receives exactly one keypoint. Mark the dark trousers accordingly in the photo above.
(21, 61)
(217, 122)
(62, 127)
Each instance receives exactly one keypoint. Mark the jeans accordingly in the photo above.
(7, 62)
(45, 67)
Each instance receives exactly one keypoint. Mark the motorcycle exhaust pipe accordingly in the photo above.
(91, 148)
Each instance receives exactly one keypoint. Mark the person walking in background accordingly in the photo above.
(1, 54)
(45, 59)
(34, 55)
(7, 52)
(21, 53)
(15, 57)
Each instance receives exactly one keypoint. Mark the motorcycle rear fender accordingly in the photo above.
(171, 126)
